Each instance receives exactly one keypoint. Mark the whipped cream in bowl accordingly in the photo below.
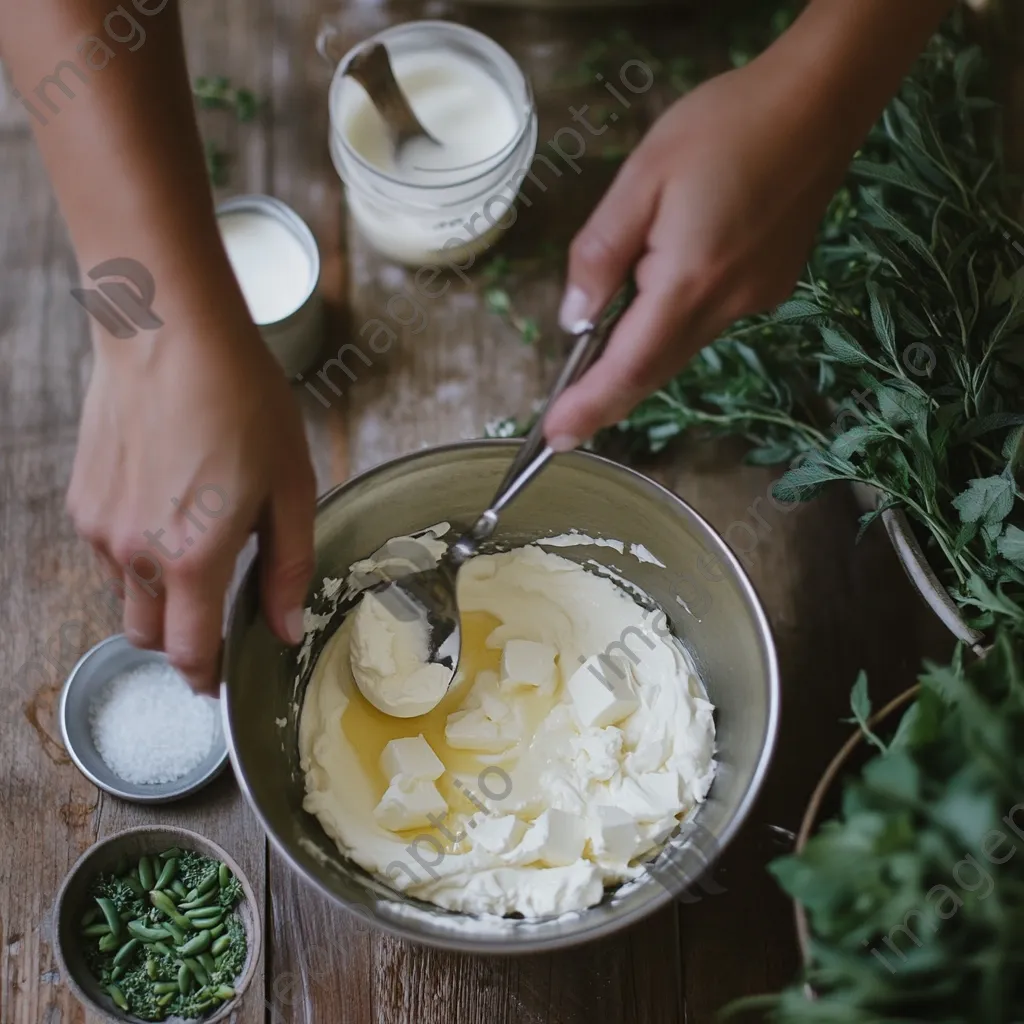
(607, 728)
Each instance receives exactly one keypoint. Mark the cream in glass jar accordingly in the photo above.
(454, 196)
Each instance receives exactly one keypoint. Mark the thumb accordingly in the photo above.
(286, 555)
(608, 245)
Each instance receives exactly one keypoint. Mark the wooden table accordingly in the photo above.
(835, 608)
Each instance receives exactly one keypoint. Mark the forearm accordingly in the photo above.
(122, 150)
(848, 57)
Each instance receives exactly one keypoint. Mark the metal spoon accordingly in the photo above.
(431, 593)
(371, 68)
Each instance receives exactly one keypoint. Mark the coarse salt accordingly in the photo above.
(149, 727)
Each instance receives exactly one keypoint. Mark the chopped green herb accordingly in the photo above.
(138, 969)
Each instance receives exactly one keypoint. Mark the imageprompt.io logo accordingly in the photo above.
(122, 301)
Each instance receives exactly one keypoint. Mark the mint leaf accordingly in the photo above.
(797, 311)
(804, 481)
(1011, 545)
(843, 347)
(988, 500)
(855, 440)
(860, 705)
(881, 320)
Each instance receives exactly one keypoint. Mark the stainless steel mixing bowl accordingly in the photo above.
(702, 588)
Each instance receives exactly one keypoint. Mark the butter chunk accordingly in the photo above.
(555, 838)
(602, 691)
(528, 663)
(473, 730)
(411, 756)
(499, 834)
(494, 707)
(410, 803)
(615, 835)
(651, 796)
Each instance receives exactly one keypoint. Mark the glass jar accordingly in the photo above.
(451, 215)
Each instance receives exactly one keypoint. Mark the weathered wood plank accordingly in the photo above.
(834, 608)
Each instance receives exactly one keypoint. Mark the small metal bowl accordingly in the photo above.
(94, 670)
(72, 903)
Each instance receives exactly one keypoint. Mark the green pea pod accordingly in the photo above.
(199, 944)
(202, 912)
(94, 931)
(165, 905)
(146, 875)
(178, 889)
(208, 883)
(207, 924)
(162, 947)
(126, 951)
(223, 875)
(198, 971)
(135, 885)
(178, 934)
(208, 962)
(199, 902)
(218, 931)
(148, 934)
(224, 992)
(117, 973)
(110, 942)
(165, 999)
(162, 988)
(92, 915)
(110, 914)
(166, 876)
(118, 996)
(192, 894)
(220, 945)
(172, 854)
(152, 970)
(184, 979)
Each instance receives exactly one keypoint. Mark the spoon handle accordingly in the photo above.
(371, 68)
(535, 453)
(591, 338)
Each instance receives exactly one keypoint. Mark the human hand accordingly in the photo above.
(190, 440)
(714, 212)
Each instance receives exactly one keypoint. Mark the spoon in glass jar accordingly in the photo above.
(371, 68)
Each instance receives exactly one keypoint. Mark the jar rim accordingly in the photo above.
(527, 110)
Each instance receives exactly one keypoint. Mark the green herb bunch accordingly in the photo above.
(915, 892)
(899, 362)
(162, 938)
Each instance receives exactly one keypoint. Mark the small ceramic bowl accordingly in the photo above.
(94, 670)
(73, 901)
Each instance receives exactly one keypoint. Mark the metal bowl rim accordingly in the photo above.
(477, 944)
(130, 795)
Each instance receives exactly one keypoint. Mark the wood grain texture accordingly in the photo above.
(834, 608)
(51, 609)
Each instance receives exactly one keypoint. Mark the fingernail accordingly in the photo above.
(575, 309)
(294, 626)
(564, 443)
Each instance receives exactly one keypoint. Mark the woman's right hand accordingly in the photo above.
(190, 440)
